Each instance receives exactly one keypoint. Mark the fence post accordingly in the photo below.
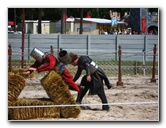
(29, 43)
(59, 43)
(154, 64)
(88, 45)
(135, 68)
(119, 71)
(143, 61)
(51, 50)
(116, 47)
(60, 49)
(23, 37)
(10, 57)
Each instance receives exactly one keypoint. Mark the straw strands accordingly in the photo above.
(56, 89)
(36, 112)
(18, 71)
(16, 84)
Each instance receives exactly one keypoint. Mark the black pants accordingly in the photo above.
(96, 87)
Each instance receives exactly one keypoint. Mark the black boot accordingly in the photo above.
(106, 107)
(109, 86)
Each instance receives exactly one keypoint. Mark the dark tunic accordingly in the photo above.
(96, 84)
(92, 69)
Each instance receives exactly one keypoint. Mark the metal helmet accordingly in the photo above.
(64, 57)
(37, 54)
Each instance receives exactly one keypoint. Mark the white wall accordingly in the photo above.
(86, 27)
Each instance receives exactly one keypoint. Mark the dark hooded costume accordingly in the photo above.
(96, 84)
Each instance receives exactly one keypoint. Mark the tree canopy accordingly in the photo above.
(54, 14)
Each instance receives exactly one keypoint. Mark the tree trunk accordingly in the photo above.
(39, 20)
(81, 21)
(15, 19)
(63, 21)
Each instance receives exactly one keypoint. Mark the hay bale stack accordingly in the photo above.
(33, 112)
(18, 71)
(58, 91)
(16, 84)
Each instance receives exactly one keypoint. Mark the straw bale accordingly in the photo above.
(59, 92)
(18, 71)
(70, 112)
(11, 98)
(33, 112)
(16, 77)
(10, 73)
(16, 84)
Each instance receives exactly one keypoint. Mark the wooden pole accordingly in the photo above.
(154, 64)
(60, 49)
(51, 50)
(10, 57)
(120, 83)
(23, 32)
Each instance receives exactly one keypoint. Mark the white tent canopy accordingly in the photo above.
(100, 21)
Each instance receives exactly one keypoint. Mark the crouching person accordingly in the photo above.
(48, 62)
(92, 81)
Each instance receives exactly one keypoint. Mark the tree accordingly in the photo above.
(63, 20)
(81, 20)
(40, 14)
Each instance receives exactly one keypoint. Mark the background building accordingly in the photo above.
(143, 21)
(31, 26)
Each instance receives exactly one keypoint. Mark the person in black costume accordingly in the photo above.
(92, 81)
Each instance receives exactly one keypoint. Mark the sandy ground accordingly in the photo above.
(136, 100)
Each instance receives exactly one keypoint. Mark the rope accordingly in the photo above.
(66, 105)
(103, 54)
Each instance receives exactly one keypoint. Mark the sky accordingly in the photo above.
(78, 4)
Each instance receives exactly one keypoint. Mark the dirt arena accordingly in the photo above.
(136, 100)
